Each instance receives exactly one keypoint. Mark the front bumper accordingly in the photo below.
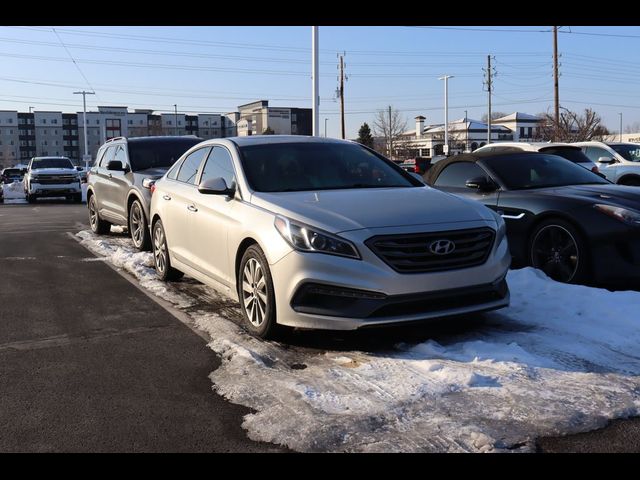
(328, 292)
(54, 189)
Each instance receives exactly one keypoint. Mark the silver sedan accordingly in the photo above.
(320, 233)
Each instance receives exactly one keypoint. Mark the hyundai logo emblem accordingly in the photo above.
(442, 247)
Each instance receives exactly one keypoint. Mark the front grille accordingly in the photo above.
(55, 180)
(411, 254)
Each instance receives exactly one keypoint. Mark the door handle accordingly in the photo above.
(166, 197)
(192, 208)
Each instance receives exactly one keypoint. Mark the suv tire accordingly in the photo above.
(98, 225)
(138, 227)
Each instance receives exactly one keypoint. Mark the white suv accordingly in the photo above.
(52, 177)
(565, 150)
(618, 161)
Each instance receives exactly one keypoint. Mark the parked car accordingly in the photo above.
(418, 165)
(1, 194)
(10, 175)
(565, 150)
(618, 161)
(119, 183)
(52, 177)
(321, 233)
(563, 219)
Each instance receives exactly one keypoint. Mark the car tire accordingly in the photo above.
(558, 249)
(31, 198)
(161, 259)
(138, 227)
(256, 294)
(97, 225)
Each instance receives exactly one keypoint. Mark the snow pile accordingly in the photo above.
(561, 359)
(13, 191)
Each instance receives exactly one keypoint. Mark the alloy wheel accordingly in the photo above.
(555, 252)
(93, 214)
(159, 248)
(254, 292)
(136, 222)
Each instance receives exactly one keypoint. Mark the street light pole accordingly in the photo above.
(325, 127)
(466, 132)
(86, 155)
(315, 83)
(446, 112)
(620, 125)
(175, 106)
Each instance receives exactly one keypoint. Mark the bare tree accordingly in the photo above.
(494, 116)
(573, 126)
(633, 128)
(389, 125)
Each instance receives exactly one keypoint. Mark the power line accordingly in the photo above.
(74, 61)
(474, 29)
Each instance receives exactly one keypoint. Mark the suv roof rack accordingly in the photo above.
(114, 138)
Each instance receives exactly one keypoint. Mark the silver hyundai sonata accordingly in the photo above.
(321, 233)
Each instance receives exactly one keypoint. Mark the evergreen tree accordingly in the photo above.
(364, 136)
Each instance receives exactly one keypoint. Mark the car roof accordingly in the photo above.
(535, 146)
(472, 158)
(271, 139)
(51, 157)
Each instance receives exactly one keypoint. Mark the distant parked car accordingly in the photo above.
(120, 181)
(564, 150)
(320, 233)
(618, 161)
(565, 220)
(10, 175)
(52, 177)
(418, 165)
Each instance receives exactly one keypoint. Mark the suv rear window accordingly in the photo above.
(570, 153)
(158, 154)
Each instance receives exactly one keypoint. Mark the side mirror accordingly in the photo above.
(606, 160)
(79, 169)
(116, 165)
(216, 186)
(482, 184)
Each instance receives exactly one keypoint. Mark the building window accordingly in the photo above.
(168, 122)
(11, 132)
(11, 120)
(55, 120)
(11, 142)
(113, 128)
(44, 120)
(529, 132)
(129, 122)
(55, 132)
(44, 132)
(44, 143)
(522, 132)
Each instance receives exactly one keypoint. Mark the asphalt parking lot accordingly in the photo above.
(89, 363)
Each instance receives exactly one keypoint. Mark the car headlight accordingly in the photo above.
(310, 239)
(631, 217)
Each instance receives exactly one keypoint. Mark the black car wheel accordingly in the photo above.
(558, 249)
(255, 289)
(630, 181)
(138, 227)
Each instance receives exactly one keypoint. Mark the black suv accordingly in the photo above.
(120, 181)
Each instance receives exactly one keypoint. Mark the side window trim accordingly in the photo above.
(204, 164)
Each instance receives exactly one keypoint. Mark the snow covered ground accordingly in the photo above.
(561, 359)
(14, 192)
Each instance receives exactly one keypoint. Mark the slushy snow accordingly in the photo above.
(561, 359)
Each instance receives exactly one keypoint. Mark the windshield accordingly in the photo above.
(158, 154)
(51, 163)
(292, 167)
(570, 153)
(11, 171)
(538, 170)
(629, 152)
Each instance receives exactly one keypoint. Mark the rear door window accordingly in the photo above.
(191, 166)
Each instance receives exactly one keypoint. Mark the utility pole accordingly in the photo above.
(315, 83)
(389, 130)
(86, 157)
(620, 125)
(555, 81)
(341, 93)
(466, 132)
(446, 113)
(175, 106)
(489, 82)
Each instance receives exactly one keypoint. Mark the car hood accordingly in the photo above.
(354, 209)
(155, 172)
(54, 171)
(611, 194)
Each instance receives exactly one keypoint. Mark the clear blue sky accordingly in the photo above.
(214, 69)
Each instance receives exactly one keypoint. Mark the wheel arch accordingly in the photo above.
(628, 176)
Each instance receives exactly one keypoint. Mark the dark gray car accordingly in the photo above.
(120, 181)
